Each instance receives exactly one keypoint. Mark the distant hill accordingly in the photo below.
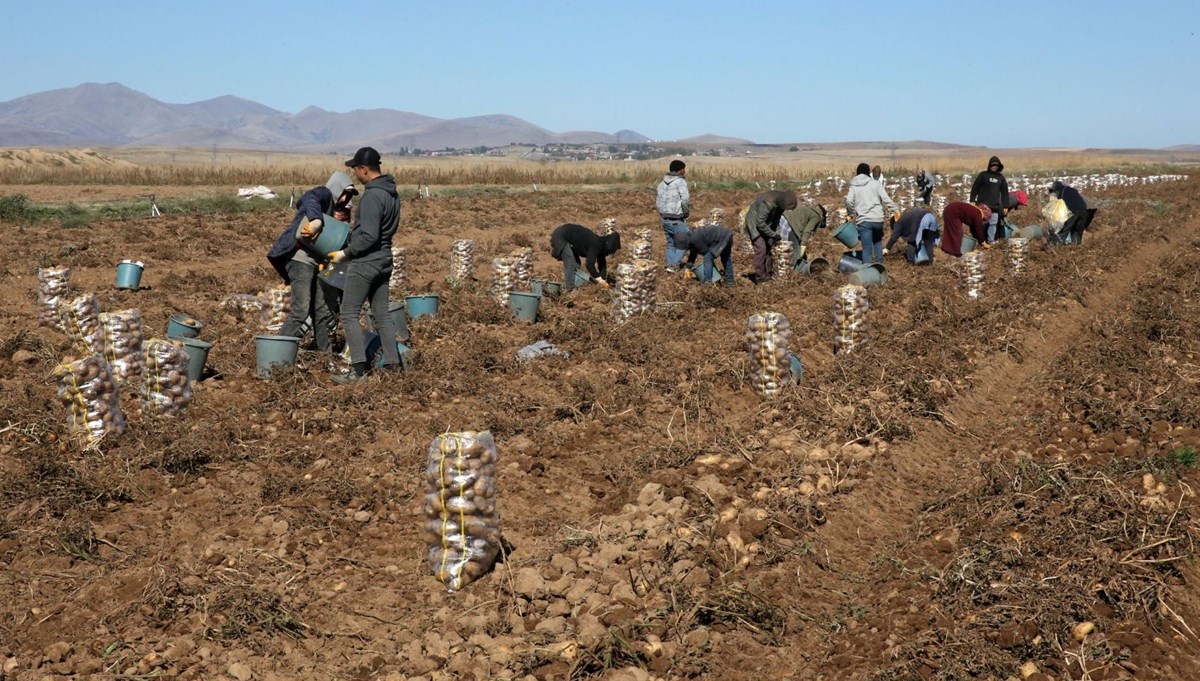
(110, 114)
(1183, 147)
(715, 141)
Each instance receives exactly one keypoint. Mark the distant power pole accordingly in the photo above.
(214, 153)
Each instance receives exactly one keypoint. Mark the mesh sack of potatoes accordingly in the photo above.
(767, 337)
(399, 280)
(277, 302)
(608, 226)
(122, 333)
(1018, 252)
(522, 259)
(242, 302)
(52, 291)
(783, 259)
(851, 308)
(93, 402)
(640, 248)
(462, 521)
(636, 290)
(167, 390)
(747, 246)
(462, 259)
(503, 279)
(623, 300)
(972, 269)
(81, 322)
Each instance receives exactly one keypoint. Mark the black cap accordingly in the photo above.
(365, 156)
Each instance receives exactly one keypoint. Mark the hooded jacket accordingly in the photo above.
(867, 199)
(313, 204)
(673, 202)
(713, 239)
(586, 244)
(926, 180)
(1070, 196)
(805, 219)
(763, 217)
(911, 221)
(990, 189)
(376, 222)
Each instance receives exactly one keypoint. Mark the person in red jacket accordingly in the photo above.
(953, 218)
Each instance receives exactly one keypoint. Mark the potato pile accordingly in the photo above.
(716, 216)
(608, 226)
(973, 273)
(462, 259)
(81, 322)
(747, 246)
(87, 388)
(462, 521)
(1018, 250)
(503, 279)
(522, 259)
(783, 259)
(122, 333)
(243, 302)
(277, 302)
(168, 391)
(640, 247)
(850, 311)
(636, 290)
(767, 338)
(52, 289)
(399, 280)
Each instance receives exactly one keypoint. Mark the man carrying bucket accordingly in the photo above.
(292, 257)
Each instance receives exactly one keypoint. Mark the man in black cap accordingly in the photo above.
(369, 257)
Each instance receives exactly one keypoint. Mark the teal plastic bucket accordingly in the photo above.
(552, 288)
(923, 256)
(582, 278)
(333, 236)
(197, 351)
(183, 326)
(524, 305)
(968, 244)
(813, 267)
(399, 319)
(848, 264)
(419, 306)
(129, 274)
(847, 234)
(871, 275)
(535, 287)
(1029, 232)
(699, 271)
(797, 368)
(406, 355)
(274, 353)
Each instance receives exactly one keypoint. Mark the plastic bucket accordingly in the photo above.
(797, 368)
(183, 326)
(847, 234)
(848, 264)
(332, 238)
(535, 287)
(274, 353)
(129, 274)
(403, 350)
(813, 267)
(923, 256)
(1029, 232)
(197, 351)
(968, 244)
(399, 319)
(552, 288)
(419, 306)
(871, 275)
(699, 271)
(524, 305)
(582, 278)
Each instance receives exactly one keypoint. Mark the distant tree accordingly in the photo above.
(793, 148)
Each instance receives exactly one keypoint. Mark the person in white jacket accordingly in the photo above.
(673, 206)
(867, 201)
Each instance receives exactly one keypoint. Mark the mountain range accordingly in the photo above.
(110, 114)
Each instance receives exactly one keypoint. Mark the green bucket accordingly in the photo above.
(129, 274)
(399, 319)
(274, 353)
(333, 236)
(582, 278)
(419, 306)
(535, 287)
(197, 351)
(552, 288)
(871, 275)
(847, 234)
(698, 270)
(524, 305)
(183, 326)
(968, 244)
(1030, 232)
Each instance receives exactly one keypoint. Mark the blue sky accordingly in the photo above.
(1000, 74)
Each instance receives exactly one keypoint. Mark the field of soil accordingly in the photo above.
(990, 489)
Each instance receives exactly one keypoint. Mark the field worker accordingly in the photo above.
(570, 241)
(762, 228)
(919, 228)
(991, 189)
(956, 215)
(1072, 230)
(369, 264)
(711, 241)
(797, 226)
(867, 201)
(297, 263)
(925, 183)
(877, 175)
(673, 205)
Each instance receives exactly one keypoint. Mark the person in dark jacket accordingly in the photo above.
(956, 215)
(925, 184)
(991, 189)
(798, 226)
(1072, 230)
(570, 241)
(710, 241)
(919, 228)
(762, 228)
(368, 255)
(292, 256)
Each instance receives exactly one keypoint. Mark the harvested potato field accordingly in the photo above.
(988, 487)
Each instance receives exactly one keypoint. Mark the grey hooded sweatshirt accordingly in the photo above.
(867, 199)
(672, 200)
(375, 223)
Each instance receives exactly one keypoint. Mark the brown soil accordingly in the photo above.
(949, 503)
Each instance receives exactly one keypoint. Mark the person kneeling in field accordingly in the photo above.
(293, 257)
(919, 228)
(570, 241)
(711, 241)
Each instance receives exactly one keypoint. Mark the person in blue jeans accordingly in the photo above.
(673, 204)
(713, 241)
(867, 200)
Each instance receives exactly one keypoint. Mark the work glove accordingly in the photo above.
(337, 257)
(886, 251)
(688, 274)
(311, 229)
(602, 282)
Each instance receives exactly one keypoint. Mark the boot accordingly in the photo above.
(357, 371)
